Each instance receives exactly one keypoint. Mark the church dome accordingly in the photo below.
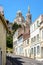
(19, 13)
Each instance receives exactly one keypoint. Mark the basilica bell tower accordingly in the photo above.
(28, 17)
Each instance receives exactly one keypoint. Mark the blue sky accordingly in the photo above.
(12, 6)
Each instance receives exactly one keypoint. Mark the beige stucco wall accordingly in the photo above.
(3, 42)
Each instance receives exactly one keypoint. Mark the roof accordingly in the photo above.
(26, 36)
(4, 22)
(20, 35)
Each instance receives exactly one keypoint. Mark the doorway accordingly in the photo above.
(0, 57)
(42, 52)
(34, 52)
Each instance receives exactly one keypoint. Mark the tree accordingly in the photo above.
(9, 41)
(10, 36)
(15, 27)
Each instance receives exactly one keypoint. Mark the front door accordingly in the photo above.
(0, 58)
(34, 52)
(25, 52)
(42, 52)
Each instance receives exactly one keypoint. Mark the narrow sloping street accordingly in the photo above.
(18, 60)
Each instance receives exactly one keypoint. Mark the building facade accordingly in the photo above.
(26, 34)
(20, 45)
(31, 35)
(24, 31)
(3, 28)
(35, 37)
(15, 39)
(26, 47)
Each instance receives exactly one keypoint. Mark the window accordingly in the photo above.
(31, 50)
(42, 34)
(34, 26)
(15, 43)
(34, 38)
(28, 41)
(37, 23)
(34, 51)
(31, 40)
(38, 49)
(37, 37)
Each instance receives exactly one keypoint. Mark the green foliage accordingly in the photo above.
(10, 36)
(9, 41)
(19, 26)
(15, 27)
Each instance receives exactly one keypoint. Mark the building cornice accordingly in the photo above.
(4, 22)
